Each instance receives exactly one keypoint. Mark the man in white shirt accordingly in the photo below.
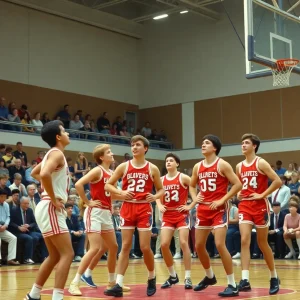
(282, 195)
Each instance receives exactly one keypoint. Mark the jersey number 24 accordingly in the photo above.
(249, 182)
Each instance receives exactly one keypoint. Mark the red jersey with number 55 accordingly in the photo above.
(253, 180)
(213, 185)
(138, 180)
(176, 193)
(98, 192)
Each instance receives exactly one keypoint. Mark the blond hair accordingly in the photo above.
(100, 151)
(85, 161)
(294, 201)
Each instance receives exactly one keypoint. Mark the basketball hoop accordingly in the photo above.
(282, 71)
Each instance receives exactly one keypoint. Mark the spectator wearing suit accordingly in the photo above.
(23, 226)
(5, 235)
(282, 195)
(276, 230)
(116, 221)
(76, 232)
(33, 201)
(15, 195)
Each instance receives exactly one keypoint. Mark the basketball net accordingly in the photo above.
(282, 71)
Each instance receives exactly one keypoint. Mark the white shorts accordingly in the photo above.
(50, 221)
(97, 220)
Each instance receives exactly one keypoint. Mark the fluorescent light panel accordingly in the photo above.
(184, 11)
(160, 17)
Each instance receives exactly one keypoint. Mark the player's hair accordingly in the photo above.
(49, 132)
(99, 151)
(253, 138)
(141, 138)
(215, 141)
(177, 159)
(294, 201)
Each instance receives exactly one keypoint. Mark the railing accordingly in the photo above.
(84, 135)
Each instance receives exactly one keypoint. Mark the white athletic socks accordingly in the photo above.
(35, 292)
(119, 280)
(273, 274)
(77, 278)
(151, 274)
(111, 277)
(245, 274)
(187, 274)
(58, 294)
(230, 280)
(88, 272)
(171, 271)
(209, 273)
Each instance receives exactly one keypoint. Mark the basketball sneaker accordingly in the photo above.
(124, 288)
(27, 297)
(205, 283)
(88, 280)
(244, 285)
(151, 287)
(274, 286)
(230, 291)
(188, 285)
(74, 289)
(170, 281)
(115, 291)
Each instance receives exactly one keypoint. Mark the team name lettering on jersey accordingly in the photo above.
(208, 175)
(138, 176)
(171, 187)
(249, 173)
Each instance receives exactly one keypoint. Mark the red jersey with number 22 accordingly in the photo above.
(138, 180)
(253, 180)
(213, 185)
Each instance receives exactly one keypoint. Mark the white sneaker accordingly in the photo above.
(177, 256)
(74, 289)
(290, 255)
(236, 256)
(157, 255)
(77, 258)
(28, 261)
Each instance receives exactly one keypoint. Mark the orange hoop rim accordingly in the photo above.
(286, 62)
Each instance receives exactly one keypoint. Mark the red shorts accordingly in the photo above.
(255, 212)
(136, 215)
(175, 220)
(211, 219)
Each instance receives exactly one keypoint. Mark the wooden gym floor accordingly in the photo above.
(15, 282)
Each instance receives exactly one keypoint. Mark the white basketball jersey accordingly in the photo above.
(60, 179)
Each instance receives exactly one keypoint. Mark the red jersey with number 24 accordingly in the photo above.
(213, 185)
(138, 180)
(253, 180)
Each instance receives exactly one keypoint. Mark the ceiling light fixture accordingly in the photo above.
(160, 17)
(184, 11)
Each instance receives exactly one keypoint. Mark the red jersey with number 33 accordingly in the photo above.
(98, 192)
(253, 180)
(138, 180)
(213, 186)
(176, 193)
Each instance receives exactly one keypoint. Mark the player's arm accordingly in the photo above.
(193, 186)
(111, 186)
(186, 181)
(91, 176)
(35, 173)
(237, 171)
(268, 171)
(55, 160)
(159, 202)
(157, 184)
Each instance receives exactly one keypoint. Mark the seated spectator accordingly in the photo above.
(80, 114)
(26, 121)
(8, 157)
(28, 177)
(36, 121)
(5, 235)
(15, 195)
(45, 118)
(233, 226)
(17, 168)
(86, 128)
(291, 227)
(2, 150)
(130, 128)
(38, 193)
(22, 111)
(294, 185)
(3, 183)
(88, 117)
(80, 166)
(64, 116)
(73, 200)
(40, 156)
(75, 124)
(76, 232)
(124, 132)
(114, 132)
(119, 124)
(20, 154)
(11, 107)
(126, 157)
(18, 185)
(282, 195)
(94, 129)
(163, 136)
(3, 112)
(279, 169)
(288, 173)
(14, 117)
(154, 135)
(117, 222)
(3, 169)
(33, 200)
(103, 124)
(146, 130)
(276, 230)
(23, 226)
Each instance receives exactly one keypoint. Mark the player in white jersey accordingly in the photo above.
(50, 215)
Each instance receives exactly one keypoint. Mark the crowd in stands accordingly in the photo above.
(119, 131)
(20, 193)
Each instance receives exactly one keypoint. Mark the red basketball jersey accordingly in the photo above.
(138, 180)
(98, 192)
(213, 185)
(176, 193)
(253, 180)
